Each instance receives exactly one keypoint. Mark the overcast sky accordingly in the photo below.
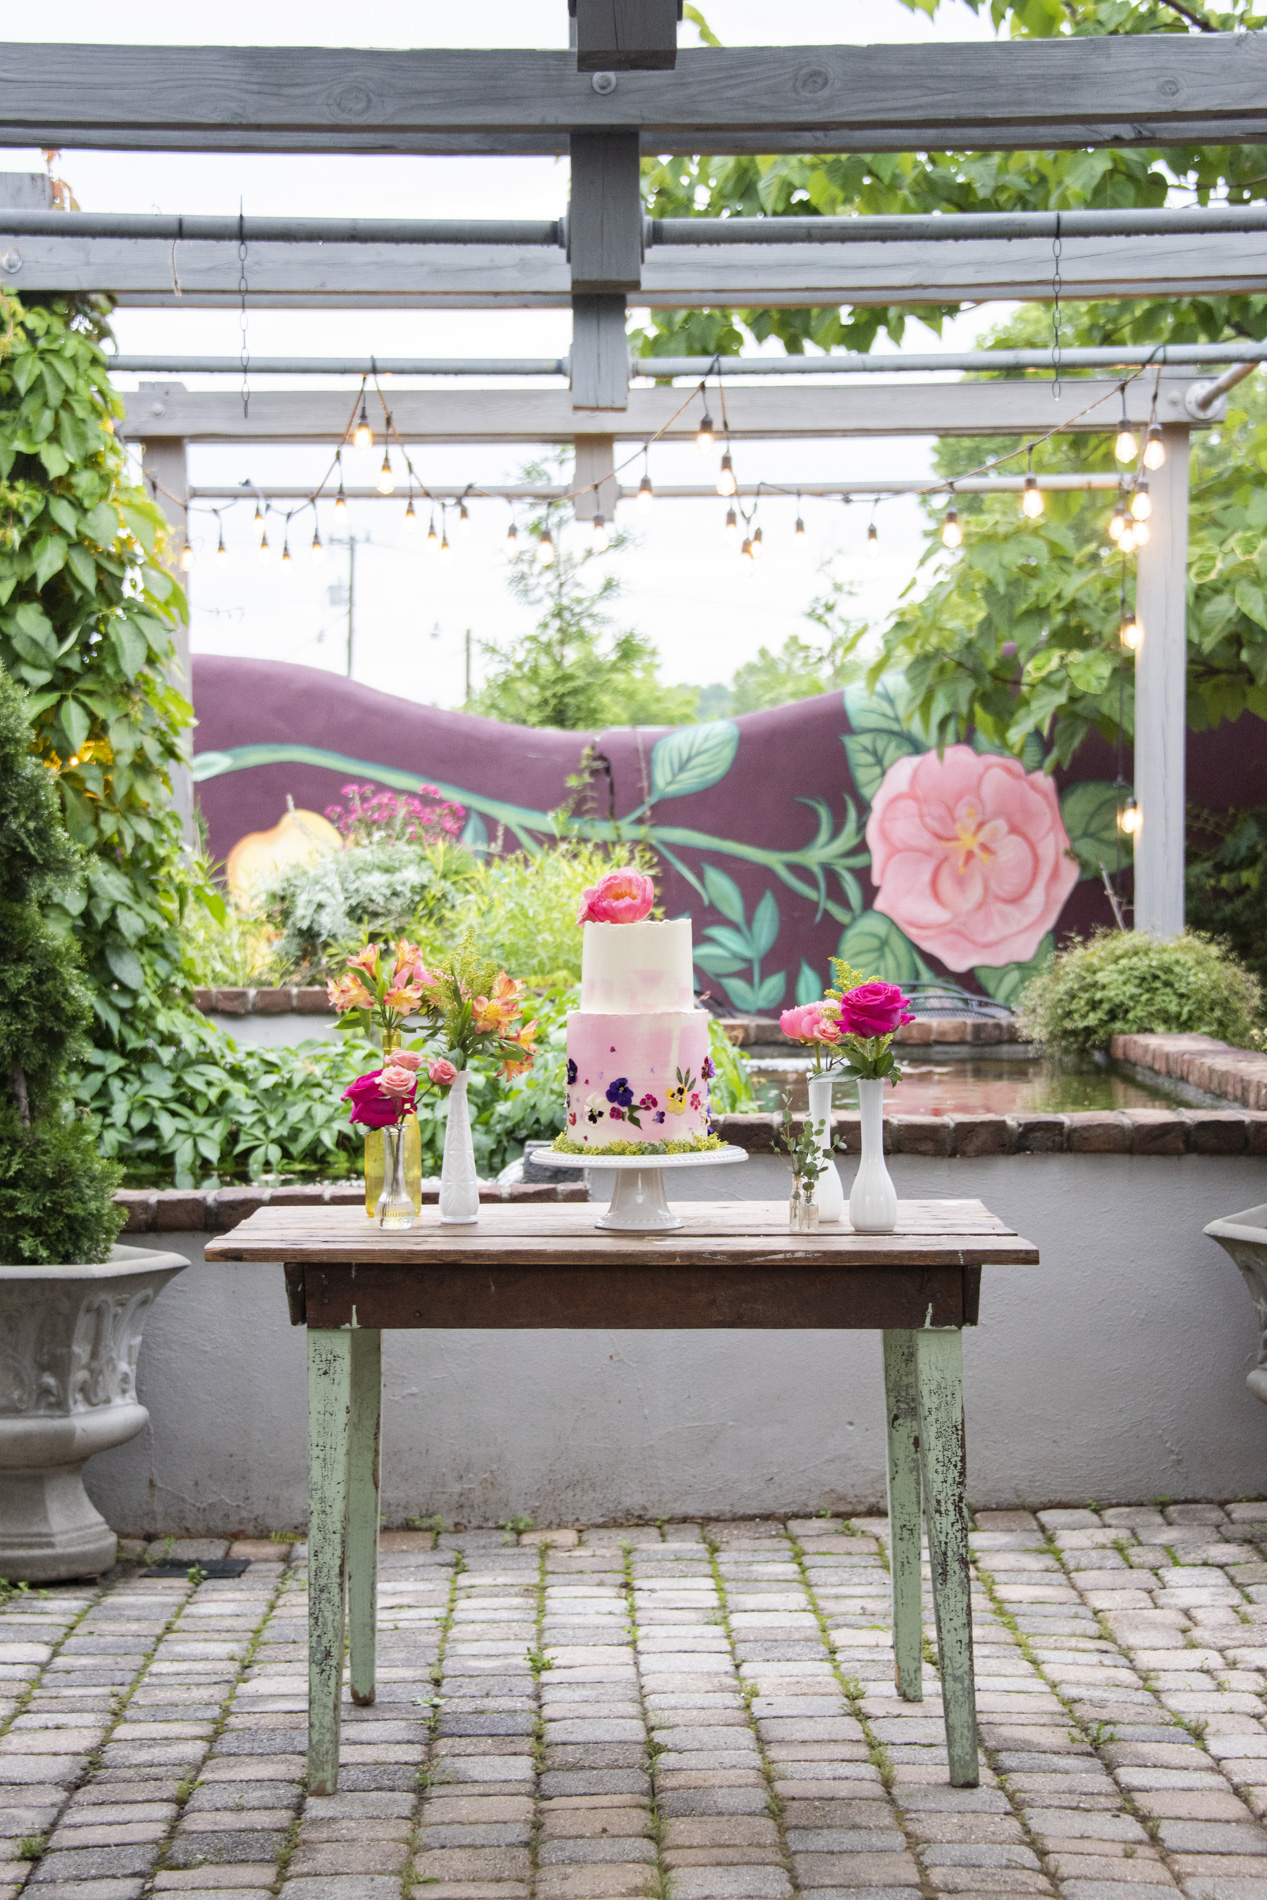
(705, 608)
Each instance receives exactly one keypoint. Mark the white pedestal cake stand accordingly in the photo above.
(639, 1204)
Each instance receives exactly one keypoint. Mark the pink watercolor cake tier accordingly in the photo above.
(638, 1066)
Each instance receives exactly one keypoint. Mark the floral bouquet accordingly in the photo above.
(851, 1029)
(476, 1007)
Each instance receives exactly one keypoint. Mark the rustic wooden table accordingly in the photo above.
(733, 1264)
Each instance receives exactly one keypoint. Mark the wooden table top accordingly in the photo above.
(714, 1234)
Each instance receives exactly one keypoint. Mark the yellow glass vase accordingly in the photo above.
(374, 1153)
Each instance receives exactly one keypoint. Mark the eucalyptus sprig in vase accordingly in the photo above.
(803, 1142)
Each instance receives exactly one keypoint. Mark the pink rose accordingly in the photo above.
(442, 1073)
(398, 1081)
(969, 855)
(622, 897)
(874, 1009)
(406, 1059)
(370, 1106)
(810, 1022)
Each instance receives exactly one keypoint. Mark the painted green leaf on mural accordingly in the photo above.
(756, 997)
(692, 758)
(874, 944)
(1089, 812)
(765, 925)
(717, 960)
(1006, 982)
(880, 735)
(809, 984)
(723, 893)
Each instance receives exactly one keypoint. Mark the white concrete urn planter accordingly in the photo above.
(69, 1338)
(1244, 1236)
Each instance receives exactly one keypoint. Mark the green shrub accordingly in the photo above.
(1121, 983)
(56, 1193)
(1227, 884)
(367, 893)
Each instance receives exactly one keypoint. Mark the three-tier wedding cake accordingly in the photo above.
(638, 1066)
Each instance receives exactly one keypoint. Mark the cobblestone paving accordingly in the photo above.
(701, 1712)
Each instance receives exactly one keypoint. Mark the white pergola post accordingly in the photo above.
(1161, 679)
(164, 461)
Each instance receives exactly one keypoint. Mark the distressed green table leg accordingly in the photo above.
(939, 1361)
(902, 1403)
(363, 1461)
(329, 1416)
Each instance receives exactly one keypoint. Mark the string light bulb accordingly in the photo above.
(259, 516)
(1117, 520)
(363, 437)
(732, 527)
(1128, 539)
(222, 553)
(1154, 448)
(1143, 534)
(951, 531)
(646, 493)
(464, 518)
(445, 549)
(512, 542)
(386, 480)
(411, 517)
(704, 436)
(265, 550)
(340, 500)
(873, 542)
(758, 544)
(1141, 501)
(1130, 820)
(545, 549)
(186, 558)
(433, 539)
(287, 563)
(726, 483)
(601, 538)
(1126, 447)
(798, 532)
(747, 547)
(1031, 499)
(1129, 632)
(317, 551)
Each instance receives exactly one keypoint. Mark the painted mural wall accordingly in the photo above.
(822, 828)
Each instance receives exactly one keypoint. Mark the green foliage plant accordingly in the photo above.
(86, 617)
(388, 888)
(1227, 883)
(56, 1192)
(1121, 983)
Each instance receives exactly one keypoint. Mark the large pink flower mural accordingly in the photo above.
(970, 856)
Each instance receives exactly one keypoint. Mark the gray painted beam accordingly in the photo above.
(193, 274)
(548, 415)
(1131, 89)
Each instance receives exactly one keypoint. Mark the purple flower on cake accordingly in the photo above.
(706, 1069)
(571, 1071)
(648, 1101)
(658, 1116)
(620, 1092)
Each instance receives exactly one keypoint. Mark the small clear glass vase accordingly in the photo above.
(394, 1209)
(802, 1212)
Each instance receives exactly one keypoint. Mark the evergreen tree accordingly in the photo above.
(56, 1192)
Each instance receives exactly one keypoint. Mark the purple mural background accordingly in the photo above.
(759, 822)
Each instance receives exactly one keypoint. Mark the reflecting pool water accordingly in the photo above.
(974, 1085)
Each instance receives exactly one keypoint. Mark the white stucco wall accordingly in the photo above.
(1114, 1371)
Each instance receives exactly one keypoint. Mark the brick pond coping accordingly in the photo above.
(1203, 1061)
(744, 1031)
(1132, 1131)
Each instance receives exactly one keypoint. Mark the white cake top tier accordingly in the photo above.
(636, 969)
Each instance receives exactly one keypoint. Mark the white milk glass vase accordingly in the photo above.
(873, 1200)
(459, 1184)
(829, 1196)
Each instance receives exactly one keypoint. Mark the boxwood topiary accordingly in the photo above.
(56, 1192)
(1125, 982)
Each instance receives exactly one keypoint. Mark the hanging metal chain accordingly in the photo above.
(246, 354)
(1056, 282)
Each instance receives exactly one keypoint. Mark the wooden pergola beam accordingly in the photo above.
(199, 273)
(1129, 89)
(753, 414)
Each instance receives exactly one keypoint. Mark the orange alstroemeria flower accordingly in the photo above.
(489, 1017)
(404, 998)
(366, 959)
(407, 955)
(349, 993)
(508, 990)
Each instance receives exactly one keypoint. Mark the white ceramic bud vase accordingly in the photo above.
(873, 1200)
(459, 1184)
(829, 1196)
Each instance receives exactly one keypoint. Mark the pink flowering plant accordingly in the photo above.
(851, 1028)
(371, 814)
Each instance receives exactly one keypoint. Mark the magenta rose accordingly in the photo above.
(873, 1009)
(370, 1106)
(969, 855)
(622, 897)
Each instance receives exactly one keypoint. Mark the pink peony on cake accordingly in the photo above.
(638, 1066)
